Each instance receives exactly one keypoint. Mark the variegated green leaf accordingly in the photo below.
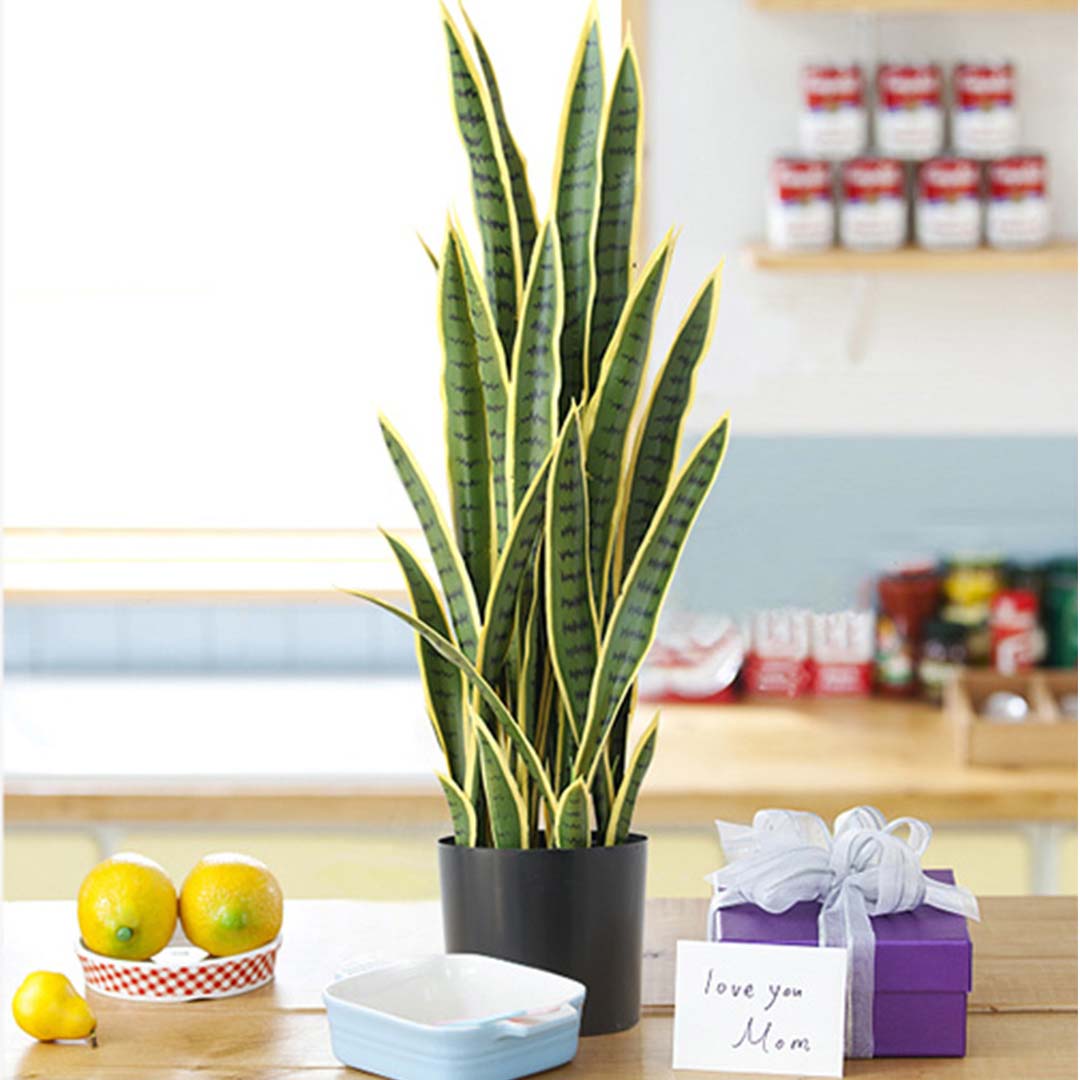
(510, 727)
(468, 458)
(603, 791)
(622, 812)
(656, 448)
(492, 196)
(457, 588)
(491, 364)
(462, 814)
(571, 626)
(513, 563)
(515, 163)
(612, 408)
(572, 817)
(534, 387)
(432, 257)
(620, 194)
(633, 620)
(506, 807)
(576, 183)
(443, 689)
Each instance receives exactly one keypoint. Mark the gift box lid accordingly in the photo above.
(924, 950)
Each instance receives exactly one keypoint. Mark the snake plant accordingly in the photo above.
(566, 519)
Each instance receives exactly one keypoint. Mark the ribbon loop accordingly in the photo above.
(865, 866)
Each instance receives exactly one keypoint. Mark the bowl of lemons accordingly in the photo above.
(141, 940)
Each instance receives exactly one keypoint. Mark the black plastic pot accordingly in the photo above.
(578, 912)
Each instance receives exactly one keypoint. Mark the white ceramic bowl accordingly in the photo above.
(457, 1017)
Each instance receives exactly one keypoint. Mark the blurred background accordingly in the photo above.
(212, 285)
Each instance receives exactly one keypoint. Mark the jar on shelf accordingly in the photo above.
(944, 654)
(907, 600)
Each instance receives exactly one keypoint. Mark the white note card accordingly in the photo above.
(773, 1009)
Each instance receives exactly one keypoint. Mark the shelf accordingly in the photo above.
(1058, 258)
(885, 7)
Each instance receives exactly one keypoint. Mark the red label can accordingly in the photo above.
(873, 208)
(910, 115)
(985, 122)
(1017, 209)
(948, 210)
(801, 216)
(1015, 638)
(833, 123)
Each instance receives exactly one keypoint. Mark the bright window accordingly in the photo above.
(212, 276)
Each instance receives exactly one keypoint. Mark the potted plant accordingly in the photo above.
(566, 524)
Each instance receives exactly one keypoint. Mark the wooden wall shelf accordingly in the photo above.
(900, 7)
(1059, 257)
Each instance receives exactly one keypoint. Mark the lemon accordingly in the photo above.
(127, 907)
(229, 904)
(47, 1007)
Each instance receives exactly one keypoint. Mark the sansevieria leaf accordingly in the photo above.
(622, 811)
(571, 628)
(492, 197)
(603, 791)
(576, 184)
(620, 193)
(515, 163)
(487, 694)
(572, 817)
(468, 457)
(506, 807)
(612, 409)
(491, 365)
(442, 681)
(457, 587)
(432, 257)
(633, 620)
(513, 564)
(462, 814)
(534, 387)
(656, 447)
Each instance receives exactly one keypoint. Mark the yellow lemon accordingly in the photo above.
(47, 1007)
(229, 904)
(127, 907)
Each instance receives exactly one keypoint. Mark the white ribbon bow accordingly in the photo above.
(864, 867)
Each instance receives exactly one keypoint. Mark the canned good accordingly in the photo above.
(948, 210)
(873, 208)
(909, 120)
(1016, 639)
(800, 211)
(1017, 209)
(985, 122)
(1060, 606)
(833, 123)
(944, 653)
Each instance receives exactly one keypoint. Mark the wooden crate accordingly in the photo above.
(1046, 737)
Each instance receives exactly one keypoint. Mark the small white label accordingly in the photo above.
(771, 1009)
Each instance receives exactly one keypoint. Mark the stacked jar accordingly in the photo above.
(838, 185)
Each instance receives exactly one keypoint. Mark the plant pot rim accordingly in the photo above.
(632, 841)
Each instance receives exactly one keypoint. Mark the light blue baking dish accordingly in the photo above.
(457, 1017)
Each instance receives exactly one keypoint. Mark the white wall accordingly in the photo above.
(894, 354)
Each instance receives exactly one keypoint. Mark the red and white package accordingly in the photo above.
(909, 119)
(778, 653)
(1017, 642)
(873, 207)
(948, 207)
(801, 216)
(833, 123)
(1017, 208)
(693, 659)
(842, 653)
(985, 121)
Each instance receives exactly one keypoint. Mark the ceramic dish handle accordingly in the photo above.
(531, 1023)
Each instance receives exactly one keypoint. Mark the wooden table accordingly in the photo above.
(1021, 1024)
(719, 761)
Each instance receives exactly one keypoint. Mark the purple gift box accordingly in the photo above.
(922, 969)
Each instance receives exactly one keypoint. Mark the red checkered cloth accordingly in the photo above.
(210, 978)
